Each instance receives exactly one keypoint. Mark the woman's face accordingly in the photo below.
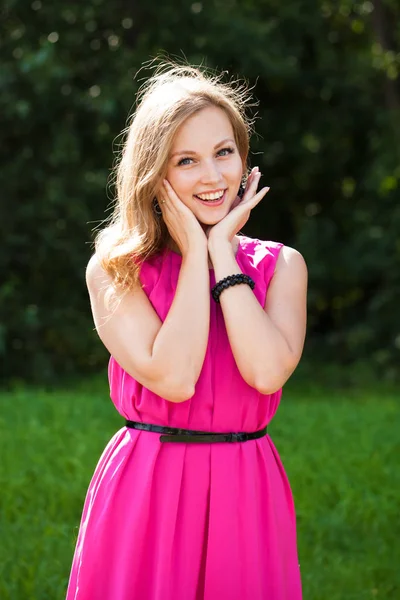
(204, 161)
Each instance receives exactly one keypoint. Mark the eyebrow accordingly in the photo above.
(192, 152)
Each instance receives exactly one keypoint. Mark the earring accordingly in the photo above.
(156, 207)
(241, 190)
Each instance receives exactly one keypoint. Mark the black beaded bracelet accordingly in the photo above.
(228, 281)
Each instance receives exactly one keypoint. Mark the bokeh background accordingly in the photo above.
(326, 76)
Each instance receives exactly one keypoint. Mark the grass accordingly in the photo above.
(339, 445)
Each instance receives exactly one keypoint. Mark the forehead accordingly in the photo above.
(206, 128)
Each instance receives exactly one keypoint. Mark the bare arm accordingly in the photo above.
(181, 343)
(267, 343)
(165, 357)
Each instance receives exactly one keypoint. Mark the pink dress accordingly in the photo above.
(191, 521)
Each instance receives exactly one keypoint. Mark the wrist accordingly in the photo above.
(195, 245)
(196, 250)
(218, 245)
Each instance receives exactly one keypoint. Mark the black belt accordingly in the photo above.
(173, 434)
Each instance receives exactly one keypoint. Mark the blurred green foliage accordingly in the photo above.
(326, 75)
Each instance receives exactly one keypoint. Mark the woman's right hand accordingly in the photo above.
(182, 225)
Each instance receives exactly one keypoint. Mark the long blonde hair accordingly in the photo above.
(174, 93)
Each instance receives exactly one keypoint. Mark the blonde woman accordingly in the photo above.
(190, 500)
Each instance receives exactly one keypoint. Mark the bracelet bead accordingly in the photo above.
(229, 281)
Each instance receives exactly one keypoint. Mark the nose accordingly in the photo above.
(210, 173)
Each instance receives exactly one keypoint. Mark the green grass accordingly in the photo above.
(339, 445)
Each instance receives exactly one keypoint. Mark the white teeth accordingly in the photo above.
(211, 196)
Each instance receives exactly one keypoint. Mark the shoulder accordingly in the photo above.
(280, 262)
(94, 269)
(283, 257)
(96, 276)
(290, 258)
(291, 268)
(261, 253)
(286, 257)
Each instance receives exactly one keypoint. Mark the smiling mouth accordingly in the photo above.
(215, 198)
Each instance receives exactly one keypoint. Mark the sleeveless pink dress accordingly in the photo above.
(191, 521)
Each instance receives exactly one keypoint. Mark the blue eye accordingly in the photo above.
(227, 150)
(181, 162)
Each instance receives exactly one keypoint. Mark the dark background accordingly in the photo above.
(326, 74)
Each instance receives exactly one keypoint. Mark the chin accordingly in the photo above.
(210, 221)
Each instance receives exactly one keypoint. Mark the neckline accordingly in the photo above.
(238, 249)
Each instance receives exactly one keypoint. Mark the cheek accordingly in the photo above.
(235, 169)
(181, 181)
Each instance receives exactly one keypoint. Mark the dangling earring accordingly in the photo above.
(241, 190)
(156, 207)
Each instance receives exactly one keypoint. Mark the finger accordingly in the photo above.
(252, 183)
(253, 200)
(162, 201)
(167, 199)
(174, 202)
(236, 202)
(255, 182)
(250, 178)
(170, 191)
(258, 197)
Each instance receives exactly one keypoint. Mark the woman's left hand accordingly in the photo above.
(239, 213)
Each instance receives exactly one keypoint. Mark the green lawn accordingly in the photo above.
(340, 449)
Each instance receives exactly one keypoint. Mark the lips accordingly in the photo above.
(211, 203)
(211, 195)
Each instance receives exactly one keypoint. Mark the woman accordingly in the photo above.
(194, 513)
